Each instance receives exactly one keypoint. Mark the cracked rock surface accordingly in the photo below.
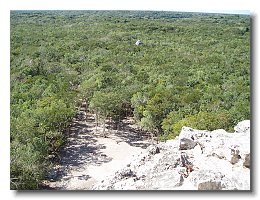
(196, 160)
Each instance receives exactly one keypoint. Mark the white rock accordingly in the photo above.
(166, 180)
(217, 161)
(243, 127)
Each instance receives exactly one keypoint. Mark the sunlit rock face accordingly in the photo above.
(196, 160)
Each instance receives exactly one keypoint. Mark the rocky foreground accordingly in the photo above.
(196, 160)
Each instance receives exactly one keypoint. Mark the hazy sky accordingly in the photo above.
(217, 6)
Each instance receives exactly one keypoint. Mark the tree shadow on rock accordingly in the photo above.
(132, 135)
(81, 149)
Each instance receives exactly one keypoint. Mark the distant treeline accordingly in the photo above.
(108, 13)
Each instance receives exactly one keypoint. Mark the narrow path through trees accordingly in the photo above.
(88, 156)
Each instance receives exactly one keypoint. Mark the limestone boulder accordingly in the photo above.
(243, 127)
(196, 160)
(186, 144)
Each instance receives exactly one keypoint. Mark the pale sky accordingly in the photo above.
(217, 6)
